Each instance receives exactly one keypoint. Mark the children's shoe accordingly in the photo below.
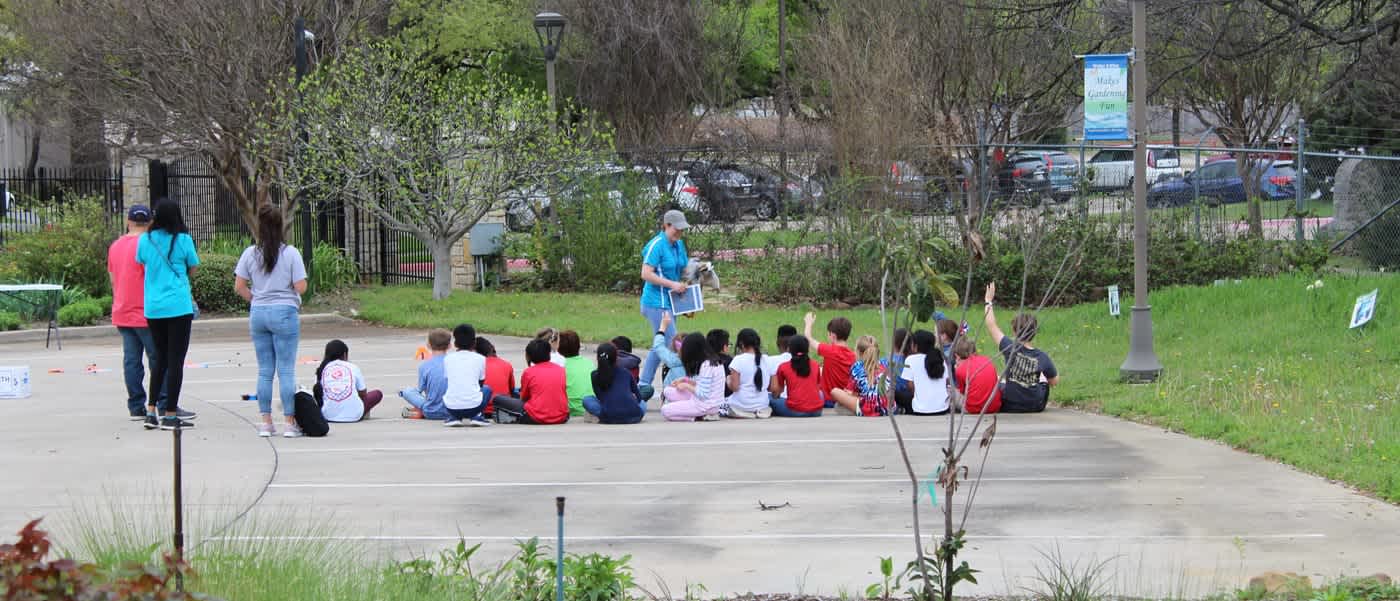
(453, 423)
(478, 422)
(182, 414)
(708, 417)
(267, 430)
(171, 422)
(151, 423)
(293, 432)
(411, 413)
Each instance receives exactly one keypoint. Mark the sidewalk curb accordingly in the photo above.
(226, 325)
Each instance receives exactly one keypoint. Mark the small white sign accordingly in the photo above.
(1113, 306)
(691, 301)
(14, 382)
(1364, 309)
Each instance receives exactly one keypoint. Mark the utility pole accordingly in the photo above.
(782, 108)
(308, 246)
(1142, 364)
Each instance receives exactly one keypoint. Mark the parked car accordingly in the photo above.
(1023, 180)
(727, 193)
(528, 205)
(1113, 167)
(796, 196)
(1061, 169)
(1219, 182)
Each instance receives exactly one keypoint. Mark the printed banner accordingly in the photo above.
(1106, 97)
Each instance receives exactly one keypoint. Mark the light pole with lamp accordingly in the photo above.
(1142, 364)
(549, 28)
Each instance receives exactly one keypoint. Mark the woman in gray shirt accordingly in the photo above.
(272, 277)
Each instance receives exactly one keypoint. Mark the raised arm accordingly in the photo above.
(991, 316)
(807, 321)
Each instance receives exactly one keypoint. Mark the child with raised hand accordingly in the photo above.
(466, 394)
(543, 399)
(750, 375)
(667, 351)
(1029, 371)
(426, 397)
(577, 370)
(340, 387)
(976, 377)
(926, 372)
(863, 397)
(615, 398)
(698, 395)
(500, 374)
(796, 386)
(837, 357)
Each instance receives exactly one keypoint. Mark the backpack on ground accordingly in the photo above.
(308, 414)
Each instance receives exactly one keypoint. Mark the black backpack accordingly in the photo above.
(309, 417)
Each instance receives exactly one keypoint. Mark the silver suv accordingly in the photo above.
(1112, 168)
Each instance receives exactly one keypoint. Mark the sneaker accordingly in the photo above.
(292, 432)
(151, 422)
(411, 413)
(708, 417)
(182, 414)
(171, 422)
(136, 417)
(267, 430)
(453, 423)
(478, 422)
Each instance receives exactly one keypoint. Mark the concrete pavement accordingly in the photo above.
(1175, 515)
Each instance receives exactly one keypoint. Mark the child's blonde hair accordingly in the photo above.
(868, 352)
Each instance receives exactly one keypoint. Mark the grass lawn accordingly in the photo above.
(1269, 209)
(1266, 366)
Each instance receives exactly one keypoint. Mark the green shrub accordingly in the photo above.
(571, 249)
(331, 269)
(82, 313)
(71, 250)
(9, 320)
(106, 303)
(212, 285)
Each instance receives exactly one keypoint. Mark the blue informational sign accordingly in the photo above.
(1106, 97)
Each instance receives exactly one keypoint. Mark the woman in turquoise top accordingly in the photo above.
(168, 254)
(663, 263)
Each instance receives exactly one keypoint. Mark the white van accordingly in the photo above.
(1112, 168)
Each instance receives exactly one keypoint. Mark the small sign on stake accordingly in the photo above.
(1113, 303)
(1364, 309)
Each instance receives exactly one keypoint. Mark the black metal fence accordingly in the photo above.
(31, 199)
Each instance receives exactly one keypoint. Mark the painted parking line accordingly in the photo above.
(779, 536)
(657, 444)
(664, 483)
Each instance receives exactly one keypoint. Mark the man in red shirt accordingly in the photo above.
(976, 377)
(128, 307)
(837, 357)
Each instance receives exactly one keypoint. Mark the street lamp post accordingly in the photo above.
(1142, 364)
(549, 28)
(302, 61)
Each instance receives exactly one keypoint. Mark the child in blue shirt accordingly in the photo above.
(432, 380)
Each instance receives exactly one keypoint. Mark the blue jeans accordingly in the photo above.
(475, 412)
(414, 397)
(652, 362)
(276, 329)
(591, 405)
(135, 343)
(780, 409)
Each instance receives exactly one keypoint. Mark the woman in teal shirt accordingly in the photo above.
(663, 263)
(168, 254)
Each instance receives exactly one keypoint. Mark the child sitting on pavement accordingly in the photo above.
(926, 372)
(340, 387)
(751, 375)
(1029, 371)
(500, 374)
(426, 397)
(632, 363)
(543, 399)
(837, 357)
(796, 388)
(615, 398)
(976, 378)
(698, 395)
(466, 371)
(863, 396)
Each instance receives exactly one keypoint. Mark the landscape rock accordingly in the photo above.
(1276, 582)
(1380, 578)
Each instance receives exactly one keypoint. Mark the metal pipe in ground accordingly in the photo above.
(559, 553)
(179, 512)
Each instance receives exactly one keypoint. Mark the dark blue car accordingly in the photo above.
(1219, 182)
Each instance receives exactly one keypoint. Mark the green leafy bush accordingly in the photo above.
(212, 285)
(82, 313)
(571, 249)
(9, 320)
(106, 303)
(72, 249)
(27, 573)
(331, 269)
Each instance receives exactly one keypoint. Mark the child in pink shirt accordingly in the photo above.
(698, 395)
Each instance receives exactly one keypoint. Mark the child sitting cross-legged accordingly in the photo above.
(837, 358)
(697, 395)
(542, 399)
(500, 374)
(426, 397)
(466, 376)
(926, 372)
(340, 387)
(615, 398)
(754, 375)
(632, 363)
(976, 377)
(863, 397)
(796, 387)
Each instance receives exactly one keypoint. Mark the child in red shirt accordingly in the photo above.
(543, 399)
(837, 357)
(500, 374)
(976, 377)
(801, 378)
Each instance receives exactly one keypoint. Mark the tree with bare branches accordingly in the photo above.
(189, 75)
